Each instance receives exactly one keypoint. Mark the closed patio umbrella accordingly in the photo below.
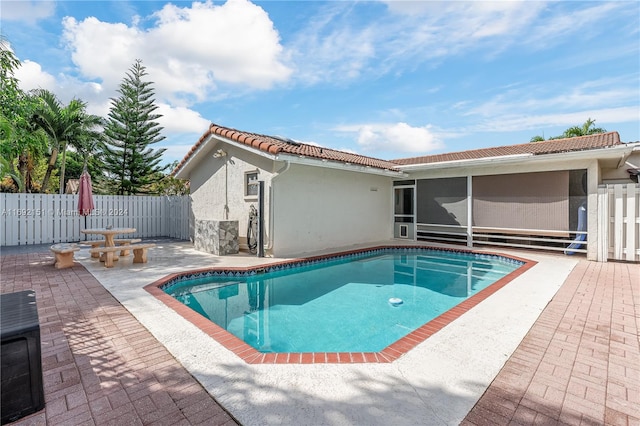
(85, 196)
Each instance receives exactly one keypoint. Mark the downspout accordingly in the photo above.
(285, 168)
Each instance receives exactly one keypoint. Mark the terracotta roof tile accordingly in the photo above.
(602, 140)
(276, 145)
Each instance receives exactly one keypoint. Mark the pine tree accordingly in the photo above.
(131, 165)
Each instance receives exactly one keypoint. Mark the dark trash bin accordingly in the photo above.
(20, 356)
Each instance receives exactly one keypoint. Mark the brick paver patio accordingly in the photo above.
(100, 365)
(579, 364)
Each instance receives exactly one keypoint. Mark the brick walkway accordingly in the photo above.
(100, 365)
(579, 364)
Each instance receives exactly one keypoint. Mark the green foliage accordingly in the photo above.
(170, 185)
(132, 166)
(65, 125)
(584, 130)
(35, 128)
(76, 163)
(21, 143)
(14, 180)
(575, 131)
(30, 182)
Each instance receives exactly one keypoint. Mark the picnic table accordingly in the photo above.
(109, 234)
(108, 253)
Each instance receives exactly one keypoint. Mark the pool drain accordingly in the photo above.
(395, 301)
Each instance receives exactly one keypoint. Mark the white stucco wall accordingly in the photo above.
(218, 194)
(316, 208)
(319, 208)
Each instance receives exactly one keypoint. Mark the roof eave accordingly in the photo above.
(608, 153)
(339, 165)
(184, 169)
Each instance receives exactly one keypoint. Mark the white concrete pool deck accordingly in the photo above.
(436, 383)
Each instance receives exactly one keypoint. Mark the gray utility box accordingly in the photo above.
(20, 356)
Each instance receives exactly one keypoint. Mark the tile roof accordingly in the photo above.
(554, 146)
(277, 145)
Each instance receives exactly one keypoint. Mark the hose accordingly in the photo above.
(252, 233)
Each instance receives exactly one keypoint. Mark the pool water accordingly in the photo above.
(341, 305)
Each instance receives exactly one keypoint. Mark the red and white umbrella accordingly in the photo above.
(85, 195)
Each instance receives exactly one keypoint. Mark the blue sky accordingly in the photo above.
(387, 79)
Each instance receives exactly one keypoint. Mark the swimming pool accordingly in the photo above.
(327, 309)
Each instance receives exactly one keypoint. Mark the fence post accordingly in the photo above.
(631, 243)
(603, 224)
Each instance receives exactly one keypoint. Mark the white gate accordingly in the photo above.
(619, 222)
(46, 218)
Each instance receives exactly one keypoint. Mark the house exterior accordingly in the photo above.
(541, 194)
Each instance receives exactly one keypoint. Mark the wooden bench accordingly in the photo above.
(64, 254)
(139, 252)
(118, 241)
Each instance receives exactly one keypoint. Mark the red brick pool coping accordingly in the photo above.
(389, 354)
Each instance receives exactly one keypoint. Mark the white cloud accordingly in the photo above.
(188, 52)
(515, 122)
(330, 47)
(584, 21)
(175, 119)
(595, 99)
(181, 119)
(27, 10)
(399, 137)
(31, 76)
(341, 45)
(101, 50)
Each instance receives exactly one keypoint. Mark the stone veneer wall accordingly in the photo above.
(218, 237)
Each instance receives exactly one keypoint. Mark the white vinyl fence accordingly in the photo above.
(44, 218)
(619, 222)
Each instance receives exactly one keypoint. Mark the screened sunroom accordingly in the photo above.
(535, 210)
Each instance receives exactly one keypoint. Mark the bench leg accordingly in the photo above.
(108, 259)
(64, 260)
(140, 255)
(94, 255)
(124, 253)
(103, 257)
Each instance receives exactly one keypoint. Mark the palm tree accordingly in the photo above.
(575, 131)
(65, 125)
(584, 130)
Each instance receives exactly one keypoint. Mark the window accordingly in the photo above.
(251, 184)
(404, 201)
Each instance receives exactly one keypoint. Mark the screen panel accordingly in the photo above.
(442, 201)
(538, 201)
